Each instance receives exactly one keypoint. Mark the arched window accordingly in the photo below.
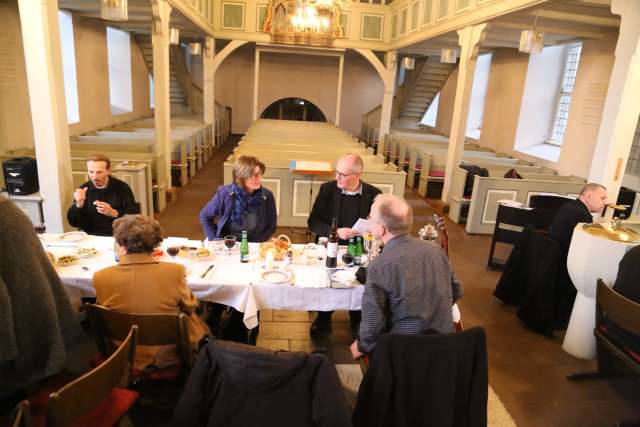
(293, 109)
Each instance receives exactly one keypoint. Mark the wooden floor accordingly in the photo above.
(527, 370)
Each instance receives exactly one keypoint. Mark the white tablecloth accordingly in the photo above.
(230, 282)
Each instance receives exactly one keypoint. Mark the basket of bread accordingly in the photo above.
(277, 245)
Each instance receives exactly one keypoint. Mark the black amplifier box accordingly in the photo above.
(21, 175)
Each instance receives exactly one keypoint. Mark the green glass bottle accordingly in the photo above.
(244, 247)
(357, 256)
(351, 249)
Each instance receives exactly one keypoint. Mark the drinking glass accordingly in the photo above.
(173, 251)
(229, 242)
(216, 245)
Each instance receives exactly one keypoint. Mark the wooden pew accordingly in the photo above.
(458, 201)
(434, 165)
(487, 191)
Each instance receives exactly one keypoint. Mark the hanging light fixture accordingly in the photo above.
(531, 41)
(195, 48)
(114, 10)
(174, 36)
(408, 63)
(448, 55)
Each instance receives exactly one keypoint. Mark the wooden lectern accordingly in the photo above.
(310, 169)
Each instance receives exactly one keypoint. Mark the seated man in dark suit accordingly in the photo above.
(628, 285)
(592, 199)
(348, 199)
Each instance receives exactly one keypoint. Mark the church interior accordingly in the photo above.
(445, 101)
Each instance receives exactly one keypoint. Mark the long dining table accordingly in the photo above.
(240, 285)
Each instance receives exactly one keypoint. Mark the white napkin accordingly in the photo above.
(343, 278)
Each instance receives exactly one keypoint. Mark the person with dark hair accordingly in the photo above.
(242, 205)
(37, 322)
(410, 287)
(102, 199)
(141, 284)
(592, 199)
(347, 198)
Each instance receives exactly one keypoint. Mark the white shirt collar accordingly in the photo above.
(353, 193)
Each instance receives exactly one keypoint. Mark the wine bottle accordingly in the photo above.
(244, 248)
(332, 245)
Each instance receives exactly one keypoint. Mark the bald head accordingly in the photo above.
(393, 212)
(594, 196)
(348, 171)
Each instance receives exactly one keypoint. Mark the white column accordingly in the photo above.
(339, 96)
(162, 110)
(208, 89)
(622, 105)
(45, 79)
(256, 79)
(469, 39)
(389, 80)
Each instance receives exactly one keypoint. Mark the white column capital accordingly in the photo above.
(209, 48)
(160, 15)
(469, 38)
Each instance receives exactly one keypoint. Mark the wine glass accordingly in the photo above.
(347, 259)
(229, 242)
(173, 251)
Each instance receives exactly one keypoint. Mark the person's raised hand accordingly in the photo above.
(105, 209)
(345, 233)
(80, 195)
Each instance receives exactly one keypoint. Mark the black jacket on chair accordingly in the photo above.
(239, 385)
(425, 380)
(536, 279)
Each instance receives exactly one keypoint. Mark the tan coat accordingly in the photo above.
(140, 284)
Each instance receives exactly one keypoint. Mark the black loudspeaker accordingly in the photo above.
(21, 175)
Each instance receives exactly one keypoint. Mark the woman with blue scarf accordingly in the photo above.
(242, 205)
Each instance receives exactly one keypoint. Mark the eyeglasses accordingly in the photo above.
(344, 175)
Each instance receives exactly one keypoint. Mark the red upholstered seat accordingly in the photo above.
(635, 355)
(107, 413)
(438, 174)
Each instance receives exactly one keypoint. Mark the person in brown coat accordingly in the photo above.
(141, 284)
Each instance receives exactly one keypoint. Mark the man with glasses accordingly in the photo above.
(348, 199)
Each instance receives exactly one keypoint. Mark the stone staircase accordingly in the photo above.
(426, 86)
(177, 98)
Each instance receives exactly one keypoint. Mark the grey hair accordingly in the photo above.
(394, 213)
(358, 164)
(592, 186)
(137, 233)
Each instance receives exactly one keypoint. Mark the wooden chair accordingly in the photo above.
(613, 356)
(153, 329)
(21, 415)
(98, 398)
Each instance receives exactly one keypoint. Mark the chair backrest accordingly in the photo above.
(153, 329)
(21, 415)
(84, 394)
(441, 225)
(622, 311)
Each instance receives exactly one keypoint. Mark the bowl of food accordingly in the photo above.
(86, 252)
(278, 246)
(67, 260)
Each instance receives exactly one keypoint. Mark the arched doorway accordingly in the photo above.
(293, 109)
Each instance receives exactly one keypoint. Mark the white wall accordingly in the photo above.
(537, 110)
(313, 78)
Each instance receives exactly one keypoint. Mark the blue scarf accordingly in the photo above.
(245, 203)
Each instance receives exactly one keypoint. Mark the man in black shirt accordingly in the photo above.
(348, 199)
(102, 199)
(592, 199)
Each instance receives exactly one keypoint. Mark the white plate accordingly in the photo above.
(276, 276)
(73, 236)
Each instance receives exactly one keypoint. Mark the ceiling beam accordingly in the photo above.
(566, 30)
(572, 17)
